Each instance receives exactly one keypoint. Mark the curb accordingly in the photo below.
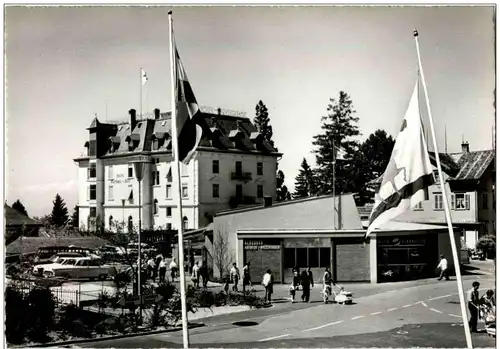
(104, 338)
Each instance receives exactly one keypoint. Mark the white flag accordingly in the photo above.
(144, 77)
(408, 174)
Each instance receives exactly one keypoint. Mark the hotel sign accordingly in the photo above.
(396, 241)
(260, 245)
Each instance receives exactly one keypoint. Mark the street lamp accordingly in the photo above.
(123, 216)
(139, 174)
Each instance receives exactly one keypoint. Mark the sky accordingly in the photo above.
(63, 65)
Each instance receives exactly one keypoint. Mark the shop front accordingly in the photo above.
(263, 254)
(411, 257)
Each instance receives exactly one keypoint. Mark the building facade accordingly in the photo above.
(470, 185)
(234, 165)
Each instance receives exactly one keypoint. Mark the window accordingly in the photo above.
(92, 170)
(301, 257)
(215, 190)
(169, 191)
(184, 170)
(92, 192)
(260, 171)
(110, 193)
(239, 190)
(461, 201)
(169, 211)
(418, 207)
(130, 224)
(184, 191)
(110, 172)
(155, 207)
(238, 167)
(485, 201)
(110, 222)
(156, 177)
(324, 257)
(130, 171)
(289, 258)
(169, 226)
(314, 257)
(215, 166)
(435, 173)
(438, 202)
(169, 175)
(185, 223)
(131, 194)
(155, 144)
(260, 191)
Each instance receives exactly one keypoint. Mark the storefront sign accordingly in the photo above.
(396, 241)
(260, 245)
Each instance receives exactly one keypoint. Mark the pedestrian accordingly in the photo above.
(473, 303)
(246, 276)
(294, 286)
(443, 266)
(158, 259)
(488, 299)
(151, 268)
(310, 275)
(204, 274)
(235, 277)
(173, 269)
(195, 276)
(306, 286)
(327, 284)
(191, 262)
(267, 281)
(162, 268)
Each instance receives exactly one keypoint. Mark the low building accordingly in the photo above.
(17, 224)
(301, 233)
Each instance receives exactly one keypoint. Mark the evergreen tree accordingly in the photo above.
(339, 126)
(19, 207)
(59, 216)
(304, 182)
(75, 218)
(261, 122)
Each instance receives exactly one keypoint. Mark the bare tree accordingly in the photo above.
(221, 253)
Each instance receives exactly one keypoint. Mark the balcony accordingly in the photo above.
(241, 176)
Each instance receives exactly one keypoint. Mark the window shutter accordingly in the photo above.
(452, 201)
(467, 201)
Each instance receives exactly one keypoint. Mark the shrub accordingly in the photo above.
(112, 324)
(15, 312)
(41, 313)
(79, 329)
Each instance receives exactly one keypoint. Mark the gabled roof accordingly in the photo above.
(14, 218)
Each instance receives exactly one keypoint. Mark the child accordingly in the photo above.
(295, 285)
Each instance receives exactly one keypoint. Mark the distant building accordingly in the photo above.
(470, 183)
(17, 224)
(234, 165)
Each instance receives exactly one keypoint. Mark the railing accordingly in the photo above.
(244, 176)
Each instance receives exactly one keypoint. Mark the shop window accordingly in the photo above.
(215, 166)
(438, 202)
(260, 170)
(324, 257)
(313, 257)
(215, 190)
(289, 258)
(301, 257)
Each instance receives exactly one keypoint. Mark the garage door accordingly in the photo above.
(352, 260)
(260, 261)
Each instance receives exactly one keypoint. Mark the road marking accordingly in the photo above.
(455, 315)
(319, 327)
(271, 338)
(357, 317)
(376, 313)
(407, 305)
(435, 310)
(448, 295)
(392, 309)
(424, 304)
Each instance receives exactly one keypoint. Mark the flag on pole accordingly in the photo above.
(189, 130)
(409, 172)
(340, 153)
(144, 77)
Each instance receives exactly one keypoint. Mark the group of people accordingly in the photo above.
(485, 305)
(198, 272)
(305, 280)
(157, 268)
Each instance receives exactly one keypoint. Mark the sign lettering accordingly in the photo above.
(259, 245)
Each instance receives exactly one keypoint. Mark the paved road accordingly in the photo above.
(423, 313)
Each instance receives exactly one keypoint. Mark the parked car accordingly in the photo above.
(44, 254)
(80, 268)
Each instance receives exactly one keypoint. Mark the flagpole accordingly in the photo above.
(335, 214)
(180, 230)
(445, 202)
(141, 85)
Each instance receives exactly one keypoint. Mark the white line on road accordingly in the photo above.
(376, 313)
(271, 338)
(455, 315)
(357, 317)
(424, 304)
(319, 327)
(392, 309)
(448, 295)
(435, 310)
(407, 305)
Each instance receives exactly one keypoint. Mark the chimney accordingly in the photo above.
(133, 119)
(465, 147)
(268, 201)
(157, 114)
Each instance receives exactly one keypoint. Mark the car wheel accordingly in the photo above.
(103, 277)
